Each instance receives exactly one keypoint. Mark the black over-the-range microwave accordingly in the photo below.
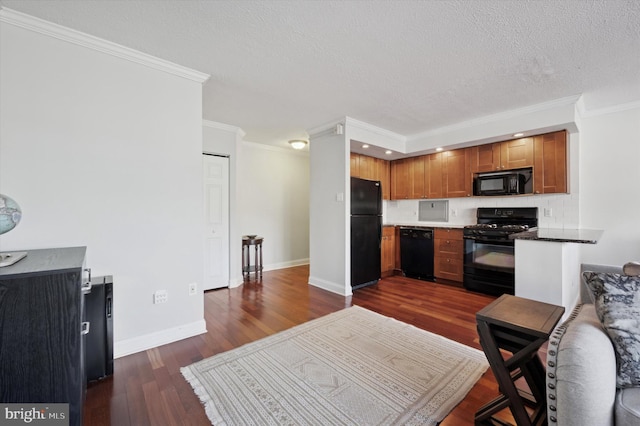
(502, 183)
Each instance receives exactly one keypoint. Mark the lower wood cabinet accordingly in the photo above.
(388, 251)
(41, 337)
(448, 254)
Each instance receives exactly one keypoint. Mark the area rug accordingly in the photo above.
(351, 367)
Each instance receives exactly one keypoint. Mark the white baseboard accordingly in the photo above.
(159, 338)
(236, 282)
(330, 286)
(288, 264)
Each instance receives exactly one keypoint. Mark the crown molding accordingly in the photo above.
(502, 116)
(609, 110)
(330, 128)
(273, 148)
(47, 28)
(225, 127)
(352, 122)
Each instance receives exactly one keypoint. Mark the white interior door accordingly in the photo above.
(216, 209)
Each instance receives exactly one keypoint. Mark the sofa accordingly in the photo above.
(585, 385)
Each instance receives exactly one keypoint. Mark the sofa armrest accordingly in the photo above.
(581, 372)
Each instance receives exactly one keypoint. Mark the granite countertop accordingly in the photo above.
(426, 225)
(582, 236)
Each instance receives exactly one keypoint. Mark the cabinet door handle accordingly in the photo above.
(85, 327)
(86, 286)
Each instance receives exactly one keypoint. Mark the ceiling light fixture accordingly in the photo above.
(517, 135)
(365, 146)
(438, 149)
(298, 143)
(388, 152)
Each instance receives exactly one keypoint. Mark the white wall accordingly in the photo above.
(330, 261)
(106, 153)
(610, 184)
(273, 202)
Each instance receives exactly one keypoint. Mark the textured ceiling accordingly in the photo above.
(280, 67)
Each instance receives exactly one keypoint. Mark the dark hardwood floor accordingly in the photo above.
(148, 389)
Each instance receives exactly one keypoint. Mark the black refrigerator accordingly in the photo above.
(366, 232)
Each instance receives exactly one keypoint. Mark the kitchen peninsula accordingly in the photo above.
(547, 264)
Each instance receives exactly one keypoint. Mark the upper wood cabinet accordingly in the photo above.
(457, 178)
(365, 167)
(514, 154)
(354, 165)
(368, 169)
(383, 167)
(550, 168)
(449, 174)
(417, 175)
(485, 158)
(401, 184)
(434, 175)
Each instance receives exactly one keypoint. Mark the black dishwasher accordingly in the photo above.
(416, 253)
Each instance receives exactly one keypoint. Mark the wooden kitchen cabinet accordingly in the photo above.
(516, 154)
(401, 182)
(434, 176)
(382, 167)
(449, 174)
(368, 168)
(457, 178)
(448, 254)
(388, 251)
(354, 167)
(371, 168)
(508, 155)
(550, 167)
(417, 175)
(485, 158)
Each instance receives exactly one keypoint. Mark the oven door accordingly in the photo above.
(489, 265)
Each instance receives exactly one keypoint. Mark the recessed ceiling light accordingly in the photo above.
(438, 149)
(388, 152)
(365, 146)
(517, 135)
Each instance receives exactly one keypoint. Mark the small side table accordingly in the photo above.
(247, 242)
(519, 326)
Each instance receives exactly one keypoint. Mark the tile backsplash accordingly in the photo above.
(554, 210)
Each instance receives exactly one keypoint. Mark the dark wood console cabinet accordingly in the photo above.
(41, 341)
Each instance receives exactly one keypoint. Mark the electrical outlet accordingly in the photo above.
(160, 296)
(548, 212)
(193, 289)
